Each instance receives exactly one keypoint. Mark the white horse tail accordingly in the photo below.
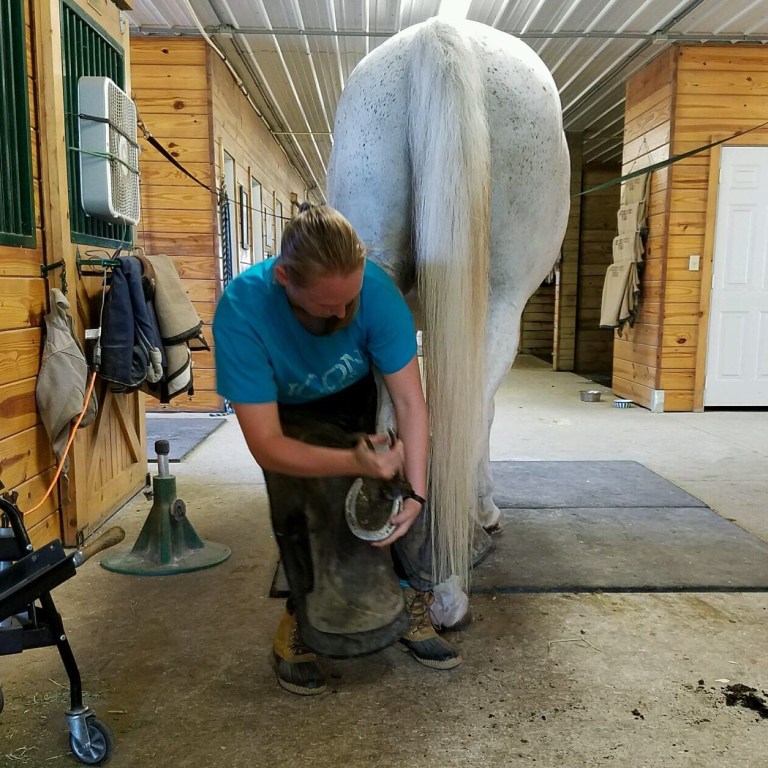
(450, 155)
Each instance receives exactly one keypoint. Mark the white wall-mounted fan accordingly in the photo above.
(109, 151)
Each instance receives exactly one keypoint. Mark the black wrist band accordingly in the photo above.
(415, 496)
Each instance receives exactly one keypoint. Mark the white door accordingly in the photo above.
(737, 345)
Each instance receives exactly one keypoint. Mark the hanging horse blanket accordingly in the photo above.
(621, 290)
(148, 320)
(131, 348)
(178, 322)
(63, 377)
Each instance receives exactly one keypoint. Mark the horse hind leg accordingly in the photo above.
(503, 340)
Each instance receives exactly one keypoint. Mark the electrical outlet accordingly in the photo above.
(694, 262)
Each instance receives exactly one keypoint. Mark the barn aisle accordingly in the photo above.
(180, 665)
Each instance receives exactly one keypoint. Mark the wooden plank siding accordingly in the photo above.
(196, 110)
(647, 130)
(720, 90)
(172, 92)
(537, 327)
(566, 293)
(26, 459)
(594, 345)
(685, 99)
(241, 133)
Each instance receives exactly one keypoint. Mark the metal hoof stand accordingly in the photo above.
(29, 619)
(167, 543)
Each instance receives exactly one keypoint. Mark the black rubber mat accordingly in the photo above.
(611, 526)
(184, 434)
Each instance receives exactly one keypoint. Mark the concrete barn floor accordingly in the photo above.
(180, 666)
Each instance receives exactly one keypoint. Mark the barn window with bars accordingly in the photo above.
(17, 208)
(87, 50)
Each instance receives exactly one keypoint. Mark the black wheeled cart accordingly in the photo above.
(29, 619)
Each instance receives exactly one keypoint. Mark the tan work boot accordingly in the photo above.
(297, 667)
(425, 645)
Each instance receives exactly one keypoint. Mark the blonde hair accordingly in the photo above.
(319, 241)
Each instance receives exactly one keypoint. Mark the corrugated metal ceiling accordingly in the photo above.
(294, 56)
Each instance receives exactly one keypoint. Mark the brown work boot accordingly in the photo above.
(297, 667)
(425, 645)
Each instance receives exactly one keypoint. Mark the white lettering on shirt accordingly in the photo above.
(337, 377)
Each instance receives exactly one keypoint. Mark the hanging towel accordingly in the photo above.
(621, 293)
(178, 322)
(176, 315)
(63, 377)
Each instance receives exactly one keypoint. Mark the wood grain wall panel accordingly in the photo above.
(659, 74)
(720, 90)
(45, 531)
(167, 51)
(649, 128)
(566, 293)
(26, 460)
(627, 370)
(181, 124)
(642, 333)
(188, 198)
(24, 455)
(178, 215)
(186, 151)
(19, 354)
(18, 406)
(742, 59)
(191, 104)
(180, 245)
(733, 82)
(643, 354)
(23, 301)
(173, 77)
(537, 326)
(32, 492)
(638, 393)
(594, 345)
(20, 262)
(158, 170)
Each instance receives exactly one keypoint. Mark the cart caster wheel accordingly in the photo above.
(101, 747)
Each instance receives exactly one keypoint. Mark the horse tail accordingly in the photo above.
(450, 154)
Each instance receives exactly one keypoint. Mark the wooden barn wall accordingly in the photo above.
(548, 326)
(647, 135)
(171, 87)
(594, 345)
(720, 90)
(566, 294)
(537, 330)
(239, 132)
(688, 97)
(27, 463)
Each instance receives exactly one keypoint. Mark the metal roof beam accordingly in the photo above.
(671, 37)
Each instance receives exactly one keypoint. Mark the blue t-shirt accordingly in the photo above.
(264, 354)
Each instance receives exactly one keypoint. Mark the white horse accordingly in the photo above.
(450, 160)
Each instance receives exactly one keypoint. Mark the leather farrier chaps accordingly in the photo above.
(346, 595)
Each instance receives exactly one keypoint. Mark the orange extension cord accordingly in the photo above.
(69, 444)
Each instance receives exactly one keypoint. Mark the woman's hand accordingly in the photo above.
(403, 520)
(377, 463)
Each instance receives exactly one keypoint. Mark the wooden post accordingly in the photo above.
(57, 243)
